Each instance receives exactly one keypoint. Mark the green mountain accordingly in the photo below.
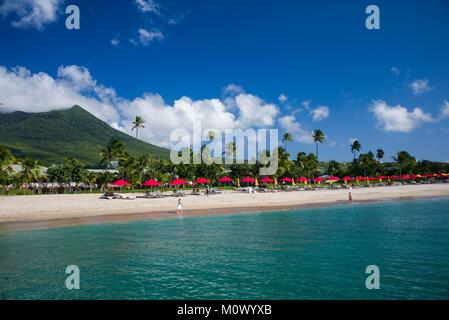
(51, 136)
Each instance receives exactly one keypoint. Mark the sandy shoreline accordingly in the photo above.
(25, 212)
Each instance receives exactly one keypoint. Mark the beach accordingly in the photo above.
(37, 211)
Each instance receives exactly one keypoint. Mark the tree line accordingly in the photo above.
(138, 169)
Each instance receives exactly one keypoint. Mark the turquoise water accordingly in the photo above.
(301, 254)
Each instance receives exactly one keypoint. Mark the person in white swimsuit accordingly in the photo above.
(179, 208)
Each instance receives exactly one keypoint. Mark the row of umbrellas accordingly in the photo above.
(154, 183)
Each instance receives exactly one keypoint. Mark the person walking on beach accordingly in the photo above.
(350, 197)
(179, 207)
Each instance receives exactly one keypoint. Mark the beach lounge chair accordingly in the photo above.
(109, 196)
(127, 197)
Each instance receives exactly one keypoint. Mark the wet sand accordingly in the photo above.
(48, 211)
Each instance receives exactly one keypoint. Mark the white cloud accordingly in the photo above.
(395, 70)
(146, 37)
(21, 90)
(289, 124)
(253, 111)
(419, 86)
(282, 98)
(115, 42)
(147, 6)
(320, 113)
(233, 89)
(30, 13)
(398, 118)
(306, 104)
(445, 109)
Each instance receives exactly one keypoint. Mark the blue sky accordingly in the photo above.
(336, 75)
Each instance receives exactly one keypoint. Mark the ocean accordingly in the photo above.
(319, 253)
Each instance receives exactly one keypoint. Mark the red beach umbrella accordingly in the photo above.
(318, 179)
(225, 179)
(302, 179)
(333, 178)
(286, 179)
(178, 182)
(120, 183)
(347, 178)
(359, 178)
(151, 183)
(266, 180)
(202, 181)
(247, 180)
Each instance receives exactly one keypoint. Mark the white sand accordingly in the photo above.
(49, 207)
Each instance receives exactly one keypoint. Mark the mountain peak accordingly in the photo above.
(51, 136)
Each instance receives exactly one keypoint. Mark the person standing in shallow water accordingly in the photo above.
(179, 209)
(350, 197)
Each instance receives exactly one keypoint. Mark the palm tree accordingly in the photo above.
(301, 163)
(113, 151)
(379, 154)
(355, 147)
(312, 165)
(138, 124)
(6, 160)
(318, 136)
(30, 170)
(231, 150)
(284, 162)
(141, 165)
(286, 138)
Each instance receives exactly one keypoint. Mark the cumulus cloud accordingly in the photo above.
(445, 109)
(419, 86)
(306, 104)
(115, 42)
(254, 111)
(289, 124)
(233, 89)
(282, 98)
(320, 113)
(398, 118)
(22, 90)
(30, 13)
(148, 36)
(147, 6)
(395, 71)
